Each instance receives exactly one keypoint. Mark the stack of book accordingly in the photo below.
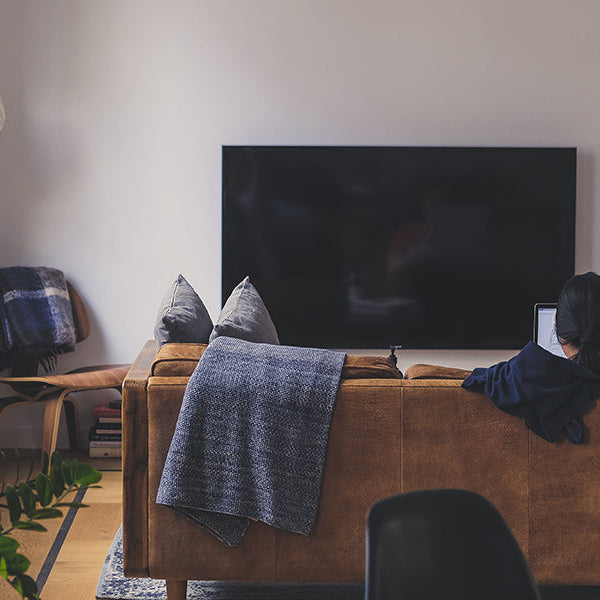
(107, 433)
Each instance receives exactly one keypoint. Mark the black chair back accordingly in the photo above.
(443, 545)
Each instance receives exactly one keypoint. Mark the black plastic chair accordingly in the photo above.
(443, 544)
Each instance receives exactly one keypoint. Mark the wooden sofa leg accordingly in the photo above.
(176, 590)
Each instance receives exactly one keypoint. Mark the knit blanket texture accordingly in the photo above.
(251, 437)
(36, 317)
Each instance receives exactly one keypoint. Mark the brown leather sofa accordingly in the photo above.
(388, 435)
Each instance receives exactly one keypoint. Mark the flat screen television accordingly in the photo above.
(422, 247)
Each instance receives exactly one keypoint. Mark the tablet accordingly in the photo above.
(544, 329)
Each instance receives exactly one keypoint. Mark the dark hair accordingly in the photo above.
(578, 318)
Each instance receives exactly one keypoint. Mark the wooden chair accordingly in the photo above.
(55, 390)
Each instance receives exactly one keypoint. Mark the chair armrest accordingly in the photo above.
(135, 463)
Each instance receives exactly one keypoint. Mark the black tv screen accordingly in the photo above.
(423, 247)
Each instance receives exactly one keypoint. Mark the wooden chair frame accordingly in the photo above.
(55, 390)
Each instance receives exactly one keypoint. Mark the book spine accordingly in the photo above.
(105, 444)
(100, 424)
(115, 414)
(106, 437)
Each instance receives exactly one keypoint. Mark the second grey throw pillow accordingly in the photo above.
(245, 316)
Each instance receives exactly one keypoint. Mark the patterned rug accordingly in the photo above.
(113, 585)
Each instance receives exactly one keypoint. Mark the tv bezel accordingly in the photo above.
(570, 226)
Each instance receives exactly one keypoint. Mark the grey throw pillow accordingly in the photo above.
(182, 316)
(245, 316)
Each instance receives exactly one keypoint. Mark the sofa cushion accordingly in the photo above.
(424, 371)
(369, 367)
(182, 316)
(180, 360)
(245, 316)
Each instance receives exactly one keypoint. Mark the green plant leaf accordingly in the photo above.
(43, 489)
(29, 587)
(14, 505)
(67, 472)
(8, 546)
(17, 564)
(45, 462)
(86, 474)
(57, 482)
(29, 525)
(33, 498)
(47, 513)
(56, 458)
(27, 498)
(16, 583)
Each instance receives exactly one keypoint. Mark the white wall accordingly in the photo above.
(117, 109)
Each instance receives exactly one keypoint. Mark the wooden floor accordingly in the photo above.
(77, 567)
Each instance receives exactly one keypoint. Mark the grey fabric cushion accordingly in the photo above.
(182, 316)
(245, 316)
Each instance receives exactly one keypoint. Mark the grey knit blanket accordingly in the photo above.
(251, 438)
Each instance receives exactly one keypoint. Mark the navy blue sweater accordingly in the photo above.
(549, 392)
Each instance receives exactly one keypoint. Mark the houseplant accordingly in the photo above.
(31, 500)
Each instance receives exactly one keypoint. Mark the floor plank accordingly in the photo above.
(77, 567)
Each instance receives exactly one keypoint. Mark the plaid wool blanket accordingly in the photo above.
(36, 317)
(251, 438)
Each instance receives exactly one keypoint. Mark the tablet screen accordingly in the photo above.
(546, 330)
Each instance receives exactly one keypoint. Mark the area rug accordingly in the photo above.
(113, 585)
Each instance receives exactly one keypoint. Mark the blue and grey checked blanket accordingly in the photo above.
(36, 317)
(251, 438)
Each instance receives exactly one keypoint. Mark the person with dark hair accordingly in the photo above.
(550, 392)
(578, 320)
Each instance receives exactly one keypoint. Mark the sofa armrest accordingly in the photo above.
(135, 463)
(424, 371)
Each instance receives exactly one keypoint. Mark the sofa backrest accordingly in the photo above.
(180, 360)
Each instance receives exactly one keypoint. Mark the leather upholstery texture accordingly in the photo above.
(388, 436)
